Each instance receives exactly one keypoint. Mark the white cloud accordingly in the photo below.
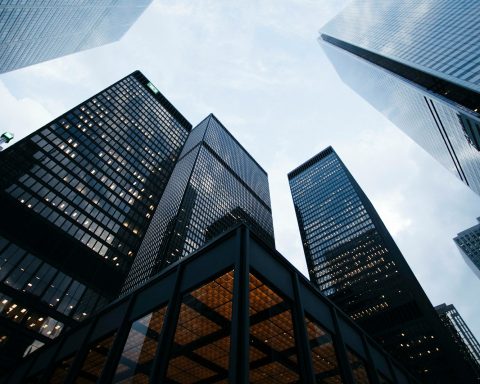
(20, 117)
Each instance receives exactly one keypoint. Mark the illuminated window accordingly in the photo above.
(201, 345)
(324, 359)
(357, 366)
(93, 365)
(272, 353)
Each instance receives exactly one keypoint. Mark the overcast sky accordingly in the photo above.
(258, 67)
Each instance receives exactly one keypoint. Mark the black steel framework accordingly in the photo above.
(216, 184)
(353, 260)
(234, 311)
(76, 197)
(461, 334)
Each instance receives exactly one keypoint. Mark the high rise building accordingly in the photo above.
(462, 335)
(352, 259)
(417, 62)
(233, 311)
(76, 198)
(38, 30)
(214, 185)
(468, 242)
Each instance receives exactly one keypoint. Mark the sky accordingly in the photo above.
(257, 65)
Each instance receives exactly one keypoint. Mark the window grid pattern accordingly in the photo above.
(203, 337)
(353, 260)
(468, 242)
(205, 196)
(205, 313)
(139, 350)
(100, 169)
(323, 354)
(443, 129)
(438, 37)
(38, 30)
(461, 333)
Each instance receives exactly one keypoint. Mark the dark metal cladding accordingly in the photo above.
(76, 198)
(233, 311)
(354, 261)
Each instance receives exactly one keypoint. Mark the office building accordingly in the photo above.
(233, 311)
(468, 243)
(462, 335)
(353, 260)
(214, 185)
(38, 30)
(417, 62)
(76, 198)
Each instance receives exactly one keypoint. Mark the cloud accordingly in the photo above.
(259, 68)
(20, 117)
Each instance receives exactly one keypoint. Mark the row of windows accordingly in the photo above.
(27, 273)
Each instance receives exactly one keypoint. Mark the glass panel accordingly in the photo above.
(383, 379)
(201, 346)
(324, 358)
(359, 370)
(61, 370)
(95, 360)
(137, 356)
(273, 357)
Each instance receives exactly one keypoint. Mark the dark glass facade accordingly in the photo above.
(461, 334)
(353, 260)
(38, 30)
(468, 242)
(429, 85)
(214, 185)
(76, 198)
(234, 311)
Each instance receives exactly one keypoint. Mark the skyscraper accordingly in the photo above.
(417, 62)
(353, 260)
(214, 185)
(38, 30)
(468, 243)
(462, 335)
(233, 312)
(76, 198)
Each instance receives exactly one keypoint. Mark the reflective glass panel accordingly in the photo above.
(324, 358)
(61, 370)
(201, 345)
(358, 368)
(95, 360)
(139, 351)
(272, 352)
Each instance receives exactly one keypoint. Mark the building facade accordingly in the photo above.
(234, 311)
(468, 243)
(417, 62)
(353, 260)
(38, 30)
(214, 185)
(76, 198)
(462, 335)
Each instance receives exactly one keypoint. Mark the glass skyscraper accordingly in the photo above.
(76, 198)
(417, 62)
(234, 311)
(38, 30)
(352, 258)
(462, 335)
(468, 243)
(215, 184)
